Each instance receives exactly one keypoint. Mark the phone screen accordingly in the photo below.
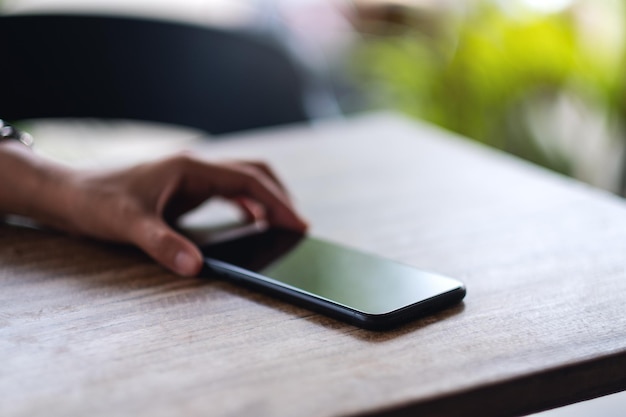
(326, 274)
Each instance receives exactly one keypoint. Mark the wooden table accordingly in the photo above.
(93, 329)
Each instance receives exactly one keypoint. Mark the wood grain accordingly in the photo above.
(89, 328)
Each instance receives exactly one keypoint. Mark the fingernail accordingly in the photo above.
(185, 263)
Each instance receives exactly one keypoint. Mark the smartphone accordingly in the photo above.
(362, 289)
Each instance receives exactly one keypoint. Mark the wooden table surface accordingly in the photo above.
(94, 329)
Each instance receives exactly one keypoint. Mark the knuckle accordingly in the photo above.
(182, 159)
(259, 164)
(159, 240)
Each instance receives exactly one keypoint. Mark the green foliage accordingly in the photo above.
(482, 80)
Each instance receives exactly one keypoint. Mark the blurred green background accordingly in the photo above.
(543, 80)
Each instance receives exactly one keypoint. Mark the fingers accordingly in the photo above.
(252, 186)
(167, 247)
(263, 198)
(242, 182)
(252, 210)
(266, 170)
(133, 205)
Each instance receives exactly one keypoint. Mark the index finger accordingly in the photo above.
(232, 181)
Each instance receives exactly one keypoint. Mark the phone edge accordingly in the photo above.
(311, 302)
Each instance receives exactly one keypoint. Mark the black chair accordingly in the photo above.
(133, 68)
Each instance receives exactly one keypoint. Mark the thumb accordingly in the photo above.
(169, 248)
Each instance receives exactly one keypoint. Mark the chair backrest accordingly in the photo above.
(134, 68)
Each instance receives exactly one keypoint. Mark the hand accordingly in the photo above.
(138, 205)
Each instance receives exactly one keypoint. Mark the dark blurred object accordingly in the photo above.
(213, 79)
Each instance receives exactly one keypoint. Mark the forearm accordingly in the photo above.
(32, 186)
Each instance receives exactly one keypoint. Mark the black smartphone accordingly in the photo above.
(365, 290)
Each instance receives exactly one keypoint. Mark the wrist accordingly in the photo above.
(33, 186)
